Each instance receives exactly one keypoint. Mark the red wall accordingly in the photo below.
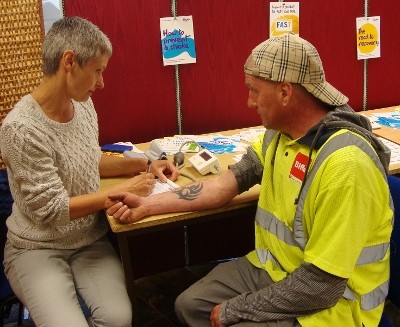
(383, 73)
(331, 27)
(139, 102)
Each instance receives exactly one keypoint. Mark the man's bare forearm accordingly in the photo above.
(207, 194)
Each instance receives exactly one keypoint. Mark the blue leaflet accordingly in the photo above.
(391, 122)
(116, 147)
(219, 145)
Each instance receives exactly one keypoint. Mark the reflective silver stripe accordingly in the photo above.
(374, 298)
(372, 253)
(268, 137)
(296, 238)
(276, 227)
(370, 300)
(264, 255)
(269, 222)
(348, 294)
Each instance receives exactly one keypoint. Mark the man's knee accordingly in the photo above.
(179, 304)
(183, 305)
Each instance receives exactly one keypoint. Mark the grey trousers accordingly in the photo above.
(193, 307)
(47, 282)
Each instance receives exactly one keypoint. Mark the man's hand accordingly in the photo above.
(125, 207)
(214, 317)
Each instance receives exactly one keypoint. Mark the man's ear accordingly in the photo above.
(286, 90)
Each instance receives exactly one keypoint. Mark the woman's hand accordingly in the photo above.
(164, 169)
(141, 184)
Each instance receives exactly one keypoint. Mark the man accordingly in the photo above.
(324, 213)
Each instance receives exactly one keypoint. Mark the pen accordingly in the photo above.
(148, 166)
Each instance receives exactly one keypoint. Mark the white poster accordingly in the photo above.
(177, 40)
(284, 18)
(368, 37)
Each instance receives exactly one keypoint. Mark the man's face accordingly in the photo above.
(264, 97)
(85, 80)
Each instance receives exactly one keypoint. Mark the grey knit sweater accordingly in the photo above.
(49, 162)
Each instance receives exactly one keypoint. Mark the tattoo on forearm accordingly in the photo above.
(189, 193)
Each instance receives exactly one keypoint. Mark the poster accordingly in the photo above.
(177, 40)
(284, 18)
(368, 37)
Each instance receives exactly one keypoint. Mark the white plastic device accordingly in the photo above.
(205, 162)
(156, 151)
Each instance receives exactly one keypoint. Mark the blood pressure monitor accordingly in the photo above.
(205, 162)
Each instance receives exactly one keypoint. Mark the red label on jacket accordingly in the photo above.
(298, 169)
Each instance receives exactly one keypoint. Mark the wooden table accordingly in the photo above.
(388, 133)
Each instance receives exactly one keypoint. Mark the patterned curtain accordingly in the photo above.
(21, 36)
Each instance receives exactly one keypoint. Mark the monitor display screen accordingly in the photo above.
(205, 156)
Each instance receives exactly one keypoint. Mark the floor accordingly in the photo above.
(156, 296)
(157, 293)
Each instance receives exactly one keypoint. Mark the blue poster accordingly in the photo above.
(177, 40)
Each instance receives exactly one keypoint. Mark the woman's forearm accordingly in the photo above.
(111, 166)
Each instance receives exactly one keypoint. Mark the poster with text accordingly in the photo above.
(368, 37)
(177, 40)
(283, 18)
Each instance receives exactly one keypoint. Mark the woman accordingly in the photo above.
(56, 244)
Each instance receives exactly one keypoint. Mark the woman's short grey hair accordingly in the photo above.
(77, 34)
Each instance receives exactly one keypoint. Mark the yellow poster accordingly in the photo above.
(368, 37)
(284, 18)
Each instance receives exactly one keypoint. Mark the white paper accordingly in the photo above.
(161, 187)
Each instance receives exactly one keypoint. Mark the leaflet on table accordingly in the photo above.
(133, 147)
(161, 187)
(251, 134)
(184, 143)
(216, 143)
(391, 119)
(394, 151)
